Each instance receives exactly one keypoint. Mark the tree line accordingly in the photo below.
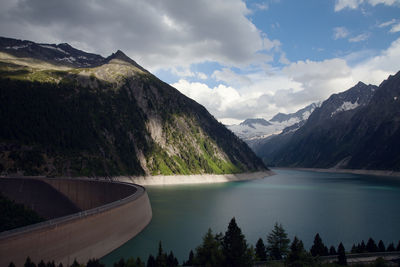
(232, 250)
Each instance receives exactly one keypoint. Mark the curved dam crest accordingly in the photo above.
(104, 216)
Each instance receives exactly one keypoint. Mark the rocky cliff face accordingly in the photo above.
(103, 117)
(356, 129)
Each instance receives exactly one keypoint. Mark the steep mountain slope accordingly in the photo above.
(356, 129)
(256, 131)
(104, 117)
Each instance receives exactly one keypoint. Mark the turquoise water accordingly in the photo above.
(340, 207)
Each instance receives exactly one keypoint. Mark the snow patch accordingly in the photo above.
(67, 59)
(16, 47)
(54, 48)
(347, 105)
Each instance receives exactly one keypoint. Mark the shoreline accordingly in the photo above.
(192, 179)
(352, 171)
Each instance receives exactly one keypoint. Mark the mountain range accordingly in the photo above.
(254, 131)
(356, 129)
(65, 112)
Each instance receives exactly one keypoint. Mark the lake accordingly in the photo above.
(340, 207)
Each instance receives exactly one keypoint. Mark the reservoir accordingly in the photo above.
(340, 207)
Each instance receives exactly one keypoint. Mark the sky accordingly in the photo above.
(239, 58)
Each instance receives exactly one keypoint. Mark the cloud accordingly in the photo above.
(395, 28)
(157, 34)
(259, 94)
(340, 32)
(354, 4)
(387, 23)
(359, 38)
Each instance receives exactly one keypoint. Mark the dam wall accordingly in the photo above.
(112, 213)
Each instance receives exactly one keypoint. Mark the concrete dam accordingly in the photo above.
(85, 219)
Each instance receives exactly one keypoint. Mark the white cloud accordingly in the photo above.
(201, 75)
(340, 32)
(387, 23)
(261, 6)
(260, 94)
(230, 77)
(354, 4)
(157, 34)
(395, 28)
(359, 38)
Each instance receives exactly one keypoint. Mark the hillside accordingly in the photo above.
(72, 113)
(356, 129)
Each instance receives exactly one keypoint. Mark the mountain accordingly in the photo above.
(252, 122)
(65, 112)
(255, 131)
(356, 129)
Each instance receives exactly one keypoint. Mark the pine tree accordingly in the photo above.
(391, 248)
(381, 246)
(41, 264)
(151, 261)
(29, 263)
(318, 248)
(139, 262)
(190, 261)
(11, 264)
(278, 243)
(161, 259)
(234, 247)
(363, 248)
(120, 263)
(209, 252)
(261, 253)
(398, 246)
(332, 250)
(296, 250)
(371, 245)
(342, 260)
(94, 263)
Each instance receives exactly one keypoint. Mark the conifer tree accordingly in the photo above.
(363, 248)
(29, 263)
(342, 260)
(318, 248)
(151, 261)
(371, 245)
(120, 263)
(381, 246)
(391, 247)
(235, 248)
(190, 261)
(261, 253)
(209, 252)
(278, 242)
(332, 250)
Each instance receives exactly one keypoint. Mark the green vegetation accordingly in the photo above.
(86, 122)
(14, 215)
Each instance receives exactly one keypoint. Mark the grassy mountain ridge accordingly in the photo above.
(110, 119)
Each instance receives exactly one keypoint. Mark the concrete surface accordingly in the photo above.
(112, 214)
